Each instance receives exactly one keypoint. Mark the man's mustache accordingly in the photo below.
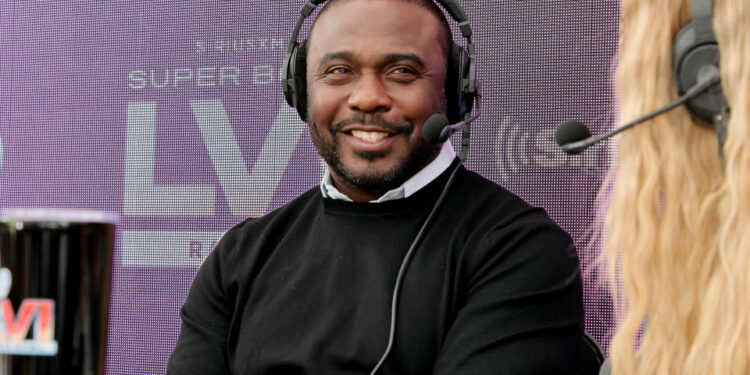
(375, 120)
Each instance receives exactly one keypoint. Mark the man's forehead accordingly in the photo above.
(427, 4)
(392, 21)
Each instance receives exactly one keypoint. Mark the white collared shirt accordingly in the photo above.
(409, 187)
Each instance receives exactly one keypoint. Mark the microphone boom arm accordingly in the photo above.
(710, 79)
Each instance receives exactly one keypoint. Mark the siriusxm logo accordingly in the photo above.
(519, 148)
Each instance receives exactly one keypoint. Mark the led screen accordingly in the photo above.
(170, 114)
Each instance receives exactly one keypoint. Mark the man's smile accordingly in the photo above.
(369, 139)
(369, 136)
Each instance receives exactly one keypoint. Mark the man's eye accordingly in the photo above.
(402, 70)
(402, 74)
(338, 71)
(338, 74)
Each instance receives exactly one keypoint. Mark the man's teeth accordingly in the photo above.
(369, 136)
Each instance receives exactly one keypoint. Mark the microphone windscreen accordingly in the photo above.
(433, 126)
(571, 131)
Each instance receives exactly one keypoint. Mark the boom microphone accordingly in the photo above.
(433, 127)
(570, 134)
(437, 128)
(573, 137)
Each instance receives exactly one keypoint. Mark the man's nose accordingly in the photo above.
(370, 95)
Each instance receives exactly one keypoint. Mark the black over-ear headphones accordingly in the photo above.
(696, 54)
(461, 83)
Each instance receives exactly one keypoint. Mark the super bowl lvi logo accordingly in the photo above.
(15, 326)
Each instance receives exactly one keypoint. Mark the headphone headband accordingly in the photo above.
(455, 11)
(702, 17)
(701, 9)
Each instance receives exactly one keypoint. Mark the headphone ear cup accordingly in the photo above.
(460, 84)
(452, 83)
(455, 84)
(288, 85)
(293, 82)
(692, 53)
(300, 79)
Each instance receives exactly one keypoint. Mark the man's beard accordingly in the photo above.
(417, 157)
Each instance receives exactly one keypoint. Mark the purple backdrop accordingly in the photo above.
(170, 113)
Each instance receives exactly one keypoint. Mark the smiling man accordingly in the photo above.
(370, 91)
(492, 287)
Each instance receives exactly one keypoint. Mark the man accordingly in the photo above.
(493, 286)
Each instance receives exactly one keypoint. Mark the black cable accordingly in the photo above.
(410, 252)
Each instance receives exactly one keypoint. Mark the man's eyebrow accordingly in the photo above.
(344, 55)
(396, 57)
(389, 58)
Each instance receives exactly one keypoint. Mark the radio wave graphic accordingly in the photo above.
(511, 152)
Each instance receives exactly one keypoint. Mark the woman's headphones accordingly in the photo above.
(695, 53)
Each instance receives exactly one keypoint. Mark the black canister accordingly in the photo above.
(55, 274)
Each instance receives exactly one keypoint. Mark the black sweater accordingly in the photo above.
(493, 288)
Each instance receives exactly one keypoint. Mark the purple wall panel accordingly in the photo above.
(170, 114)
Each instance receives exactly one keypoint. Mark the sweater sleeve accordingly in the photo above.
(522, 309)
(201, 346)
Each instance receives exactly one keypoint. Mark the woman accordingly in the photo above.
(678, 223)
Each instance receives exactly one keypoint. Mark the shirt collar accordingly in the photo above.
(409, 187)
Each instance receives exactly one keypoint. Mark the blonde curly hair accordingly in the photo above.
(677, 234)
